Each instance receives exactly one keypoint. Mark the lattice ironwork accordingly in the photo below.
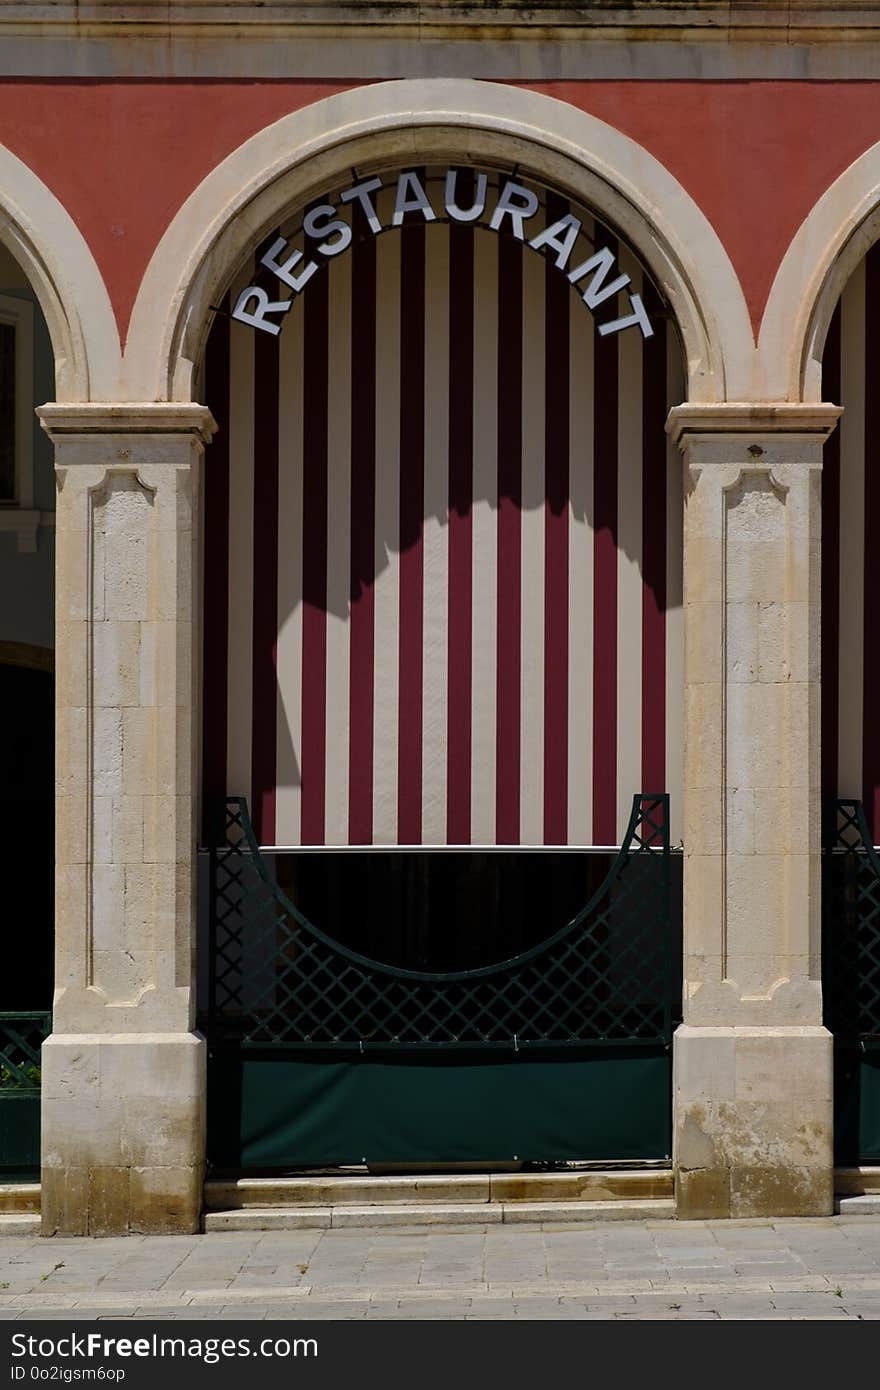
(851, 924)
(21, 1036)
(279, 980)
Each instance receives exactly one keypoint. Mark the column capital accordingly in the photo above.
(746, 422)
(64, 419)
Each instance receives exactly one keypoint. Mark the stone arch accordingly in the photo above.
(42, 236)
(829, 244)
(292, 160)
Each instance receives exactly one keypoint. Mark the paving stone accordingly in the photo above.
(72, 1314)
(733, 1269)
(175, 1312)
(528, 1311)
(808, 1304)
(313, 1311)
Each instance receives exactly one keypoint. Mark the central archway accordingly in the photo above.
(442, 615)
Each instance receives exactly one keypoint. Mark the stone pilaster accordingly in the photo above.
(124, 1071)
(753, 1064)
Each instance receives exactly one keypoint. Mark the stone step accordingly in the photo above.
(868, 1204)
(19, 1196)
(857, 1181)
(336, 1190)
(293, 1218)
(19, 1223)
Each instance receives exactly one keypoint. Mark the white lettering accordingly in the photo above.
(560, 237)
(517, 215)
(283, 268)
(315, 224)
(638, 316)
(417, 201)
(362, 191)
(264, 305)
(330, 234)
(599, 264)
(476, 209)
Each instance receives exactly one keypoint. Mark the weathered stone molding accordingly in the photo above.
(340, 39)
(746, 420)
(125, 417)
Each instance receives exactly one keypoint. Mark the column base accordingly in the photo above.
(123, 1133)
(753, 1122)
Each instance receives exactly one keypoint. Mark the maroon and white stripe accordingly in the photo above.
(850, 545)
(443, 560)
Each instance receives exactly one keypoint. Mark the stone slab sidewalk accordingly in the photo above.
(804, 1269)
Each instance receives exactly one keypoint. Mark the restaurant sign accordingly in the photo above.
(596, 276)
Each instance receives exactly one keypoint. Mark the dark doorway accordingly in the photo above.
(27, 767)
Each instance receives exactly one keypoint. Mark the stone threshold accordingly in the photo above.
(367, 1189)
(335, 1200)
(427, 1213)
(19, 1223)
(17, 1197)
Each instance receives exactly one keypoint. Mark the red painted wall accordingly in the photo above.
(123, 156)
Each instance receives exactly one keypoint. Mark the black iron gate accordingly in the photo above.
(851, 979)
(21, 1037)
(322, 1056)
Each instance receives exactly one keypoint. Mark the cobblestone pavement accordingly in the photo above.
(807, 1269)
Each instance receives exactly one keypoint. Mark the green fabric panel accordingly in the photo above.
(857, 1104)
(19, 1136)
(279, 1111)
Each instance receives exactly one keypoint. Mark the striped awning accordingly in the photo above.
(442, 581)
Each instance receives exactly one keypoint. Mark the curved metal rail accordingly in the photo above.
(277, 979)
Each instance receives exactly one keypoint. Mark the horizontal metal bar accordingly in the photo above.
(449, 849)
(247, 1045)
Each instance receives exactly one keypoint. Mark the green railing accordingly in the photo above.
(278, 980)
(851, 945)
(21, 1037)
(851, 979)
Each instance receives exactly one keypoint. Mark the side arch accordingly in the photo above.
(42, 236)
(302, 154)
(829, 244)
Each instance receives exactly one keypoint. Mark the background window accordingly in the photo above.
(7, 412)
(16, 402)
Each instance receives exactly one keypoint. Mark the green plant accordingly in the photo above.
(12, 1080)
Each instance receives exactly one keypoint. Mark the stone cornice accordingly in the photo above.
(496, 39)
(743, 418)
(636, 18)
(99, 417)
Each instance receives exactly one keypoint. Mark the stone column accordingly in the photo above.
(752, 1061)
(123, 1108)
